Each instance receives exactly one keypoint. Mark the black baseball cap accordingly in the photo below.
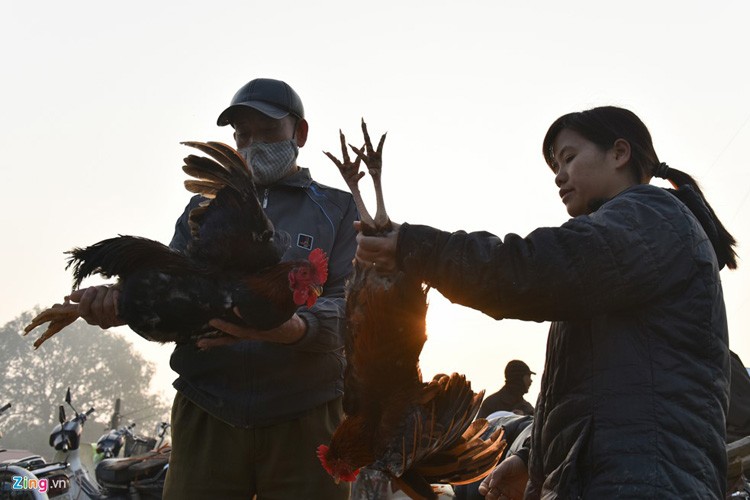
(517, 368)
(273, 98)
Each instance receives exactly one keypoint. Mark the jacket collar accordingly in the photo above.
(301, 179)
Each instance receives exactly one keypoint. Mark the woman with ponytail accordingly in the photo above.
(634, 393)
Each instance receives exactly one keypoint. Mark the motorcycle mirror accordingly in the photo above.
(67, 400)
(61, 414)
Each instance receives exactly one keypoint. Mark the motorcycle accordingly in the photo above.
(124, 439)
(66, 477)
(146, 469)
(110, 444)
(163, 438)
(30, 477)
(139, 477)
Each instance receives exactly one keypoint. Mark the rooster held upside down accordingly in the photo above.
(417, 433)
(231, 269)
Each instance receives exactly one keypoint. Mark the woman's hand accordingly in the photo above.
(377, 251)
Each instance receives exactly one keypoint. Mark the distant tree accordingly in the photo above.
(99, 366)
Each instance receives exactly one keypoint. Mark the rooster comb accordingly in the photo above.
(322, 451)
(320, 262)
(348, 476)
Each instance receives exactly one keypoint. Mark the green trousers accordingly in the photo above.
(211, 459)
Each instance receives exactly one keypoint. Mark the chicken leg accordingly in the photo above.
(59, 316)
(351, 174)
(373, 159)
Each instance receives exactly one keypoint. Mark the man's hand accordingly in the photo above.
(287, 333)
(507, 481)
(378, 251)
(98, 305)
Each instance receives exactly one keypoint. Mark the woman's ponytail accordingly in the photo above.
(686, 189)
(604, 126)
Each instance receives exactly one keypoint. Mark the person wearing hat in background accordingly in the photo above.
(510, 396)
(252, 407)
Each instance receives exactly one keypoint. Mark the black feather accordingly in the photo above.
(124, 255)
(168, 295)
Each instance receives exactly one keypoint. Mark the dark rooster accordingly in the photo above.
(232, 268)
(417, 433)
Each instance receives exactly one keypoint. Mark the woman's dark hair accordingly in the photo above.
(604, 125)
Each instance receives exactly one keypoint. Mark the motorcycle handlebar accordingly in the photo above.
(83, 416)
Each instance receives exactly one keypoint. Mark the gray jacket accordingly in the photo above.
(256, 383)
(635, 386)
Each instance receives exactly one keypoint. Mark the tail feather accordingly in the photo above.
(229, 229)
(123, 255)
(217, 176)
(207, 189)
(225, 155)
(469, 461)
(207, 174)
(456, 405)
(444, 444)
(228, 170)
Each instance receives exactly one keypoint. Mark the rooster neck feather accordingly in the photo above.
(270, 277)
(353, 430)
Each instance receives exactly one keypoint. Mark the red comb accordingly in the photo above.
(322, 450)
(320, 262)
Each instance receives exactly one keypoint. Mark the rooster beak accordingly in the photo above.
(317, 290)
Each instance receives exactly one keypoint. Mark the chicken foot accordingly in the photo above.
(351, 174)
(373, 159)
(59, 316)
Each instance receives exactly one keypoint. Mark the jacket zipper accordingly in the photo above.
(265, 198)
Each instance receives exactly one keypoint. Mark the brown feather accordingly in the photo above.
(206, 188)
(415, 432)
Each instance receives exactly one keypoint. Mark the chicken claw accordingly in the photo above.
(59, 316)
(349, 170)
(373, 158)
(351, 174)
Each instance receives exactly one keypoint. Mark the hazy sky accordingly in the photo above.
(97, 95)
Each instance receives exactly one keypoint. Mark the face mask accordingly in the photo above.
(270, 162)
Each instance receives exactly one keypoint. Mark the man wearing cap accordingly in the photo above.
(252, 407)
(510, 396)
